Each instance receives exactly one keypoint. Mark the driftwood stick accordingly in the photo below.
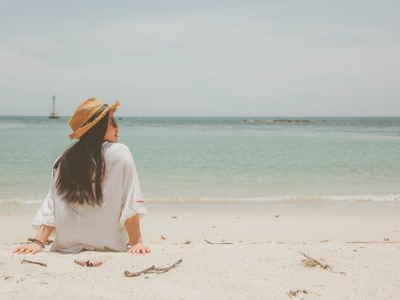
(152, 269)
(294, 293)
(88, 263)
(94, 264)
(33, 262)
(81, 263)
(223, 243)
(134, 274)
(318, 262)
(337, 272)
(372, 242)
(163, 270)
(324, 266)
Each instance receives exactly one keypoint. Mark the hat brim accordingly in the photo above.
(78, 133)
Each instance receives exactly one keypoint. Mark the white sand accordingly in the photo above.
(264, 261)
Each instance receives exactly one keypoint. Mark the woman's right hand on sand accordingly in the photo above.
(139, 248)
(25, 249)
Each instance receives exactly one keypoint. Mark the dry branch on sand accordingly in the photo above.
(313, 262)
(134, 274)
(372, 242)
(33, 262)
(294, 293)
(223, 243)
(153, 269)
(88, 263)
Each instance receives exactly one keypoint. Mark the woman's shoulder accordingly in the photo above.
(115, 151)
(114, 147)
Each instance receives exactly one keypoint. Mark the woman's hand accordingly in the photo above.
(135, 238)
(42, 235)
(25, 249)
(139, 248)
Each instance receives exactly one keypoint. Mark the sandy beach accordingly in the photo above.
(263, 261)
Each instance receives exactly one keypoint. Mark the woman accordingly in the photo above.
(94, 201)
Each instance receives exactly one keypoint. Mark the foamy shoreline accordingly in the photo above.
(20, 204)
(264, 261)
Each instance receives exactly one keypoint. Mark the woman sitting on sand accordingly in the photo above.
(94, 200)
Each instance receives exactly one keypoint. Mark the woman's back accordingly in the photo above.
(102, 227)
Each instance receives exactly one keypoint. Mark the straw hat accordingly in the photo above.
(88, 113)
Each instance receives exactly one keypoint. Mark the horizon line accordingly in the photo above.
(250, 117)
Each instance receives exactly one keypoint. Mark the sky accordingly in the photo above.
(202, 58)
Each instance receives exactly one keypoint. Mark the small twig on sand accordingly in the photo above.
(95, 264)
(88, 263)
(33, 262)
(223, 243)
(81, 263)
(153, 269)
(318, 262)
(315, 262)
(294, 293)
(372, 242)
(343, 273)
(134, 274)
(163, 270)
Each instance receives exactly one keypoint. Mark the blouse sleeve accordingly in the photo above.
(132, 200)
(46, 215)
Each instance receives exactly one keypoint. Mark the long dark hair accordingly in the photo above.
(82, 168)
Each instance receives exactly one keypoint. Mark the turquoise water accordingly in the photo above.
(222, 159)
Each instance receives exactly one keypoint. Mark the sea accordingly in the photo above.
(222, 159)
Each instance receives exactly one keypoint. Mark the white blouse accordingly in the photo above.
(102, 228)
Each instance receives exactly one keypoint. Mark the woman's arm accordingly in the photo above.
(42, 235)
(135, 238)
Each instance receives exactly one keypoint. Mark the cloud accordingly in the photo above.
(289, 58)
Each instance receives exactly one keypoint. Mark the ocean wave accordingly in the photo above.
(288, 198)
(21, 201)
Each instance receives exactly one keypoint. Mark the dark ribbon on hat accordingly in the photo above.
(97, 113)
